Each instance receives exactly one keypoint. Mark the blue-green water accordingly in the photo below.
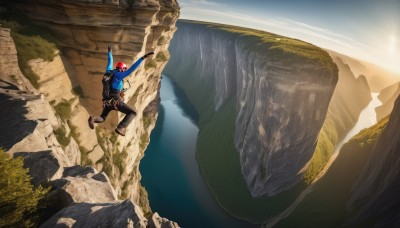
(170, 173)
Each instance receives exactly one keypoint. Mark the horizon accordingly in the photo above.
(308, 20)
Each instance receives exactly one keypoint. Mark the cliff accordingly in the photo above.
(326, 204)
(259, 96)
(375, 192)
(79, 196)
(83, 29)
(361, 187)
(350, 97)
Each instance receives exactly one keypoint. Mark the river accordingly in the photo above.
(170, 173)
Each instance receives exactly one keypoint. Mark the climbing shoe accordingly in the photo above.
(120, 130)
(91, 122)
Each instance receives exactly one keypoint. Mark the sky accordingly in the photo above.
(365, 29)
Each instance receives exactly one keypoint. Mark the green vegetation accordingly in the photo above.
(327, 139)
(31, 41)
(146, 121)
(218, 159)
(219, 163)
(161, 57)
(61, 136)
(161, 40)
(144, 139)
(119, 160)
(63, 109)
(144, 202)
(18, 199)
(279, 47)
(150, 64)
(78, 91)
(337, 184)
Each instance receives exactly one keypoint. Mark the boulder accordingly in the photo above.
(157, 222)
(114, 214)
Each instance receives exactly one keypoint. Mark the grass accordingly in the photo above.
(146, 121)
(63, 109)
(279, 47)
(216, 154)
(61, 136)
(219, 163)
(31, 42)
(161, 57)
(161, 40)
(327, 139)
(119, 160)
(78, 91)
(150, 64)
(144, 140)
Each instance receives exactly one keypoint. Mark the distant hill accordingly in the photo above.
(387, 96)
(378, 78)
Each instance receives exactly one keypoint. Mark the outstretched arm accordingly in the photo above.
(109, 60)
(132, 68)
(135, 65)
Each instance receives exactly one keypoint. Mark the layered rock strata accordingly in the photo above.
(281, 97)
(84, 196)
(84, 30)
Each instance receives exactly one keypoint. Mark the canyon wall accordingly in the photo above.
(281, 95)
(83, 30)
(376, 190)
(387, 96)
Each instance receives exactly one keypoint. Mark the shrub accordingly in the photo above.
(30, 44)
(150, 64)
(161, 40)
(18, 198)
(61, 136)
(63, 109)
(77, 90)
(161, 57)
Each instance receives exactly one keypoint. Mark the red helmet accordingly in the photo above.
(120, 65)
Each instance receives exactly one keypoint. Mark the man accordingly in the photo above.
(116, 102)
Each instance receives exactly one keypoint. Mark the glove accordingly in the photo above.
(109, 48)
(148, 54)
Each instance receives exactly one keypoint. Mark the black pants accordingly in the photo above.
(116, 104)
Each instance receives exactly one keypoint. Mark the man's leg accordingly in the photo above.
(101, 118)
(130, 114)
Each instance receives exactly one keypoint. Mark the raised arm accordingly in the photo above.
(109, 60)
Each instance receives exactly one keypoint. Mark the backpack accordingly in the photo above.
(107, 80)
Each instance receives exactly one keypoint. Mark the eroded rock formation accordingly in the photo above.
(84, 29)
(85, 196)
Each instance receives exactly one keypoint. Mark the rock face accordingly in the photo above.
(387, 96)
(84, 29)
(281, 102)
(29, 122)
(118, 214)
(342, 110)
(28, 130)
(376, 190)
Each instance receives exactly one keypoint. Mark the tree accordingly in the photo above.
(18, 198)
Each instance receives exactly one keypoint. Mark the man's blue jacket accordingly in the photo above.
(118, 81)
